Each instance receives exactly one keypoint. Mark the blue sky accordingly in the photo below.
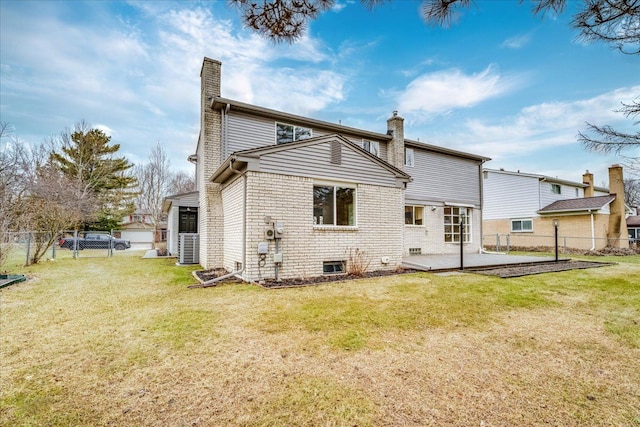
(501, 82)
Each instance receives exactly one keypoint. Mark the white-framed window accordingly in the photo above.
(371, 146)
(452, 216)
(334, 205)
(522, 225)
(290, 133)
(333, 267)
(556, 189)
(409, 157)
(413, 215)
(577, 193)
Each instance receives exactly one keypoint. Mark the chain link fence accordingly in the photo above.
(26, 248)
(566, 244)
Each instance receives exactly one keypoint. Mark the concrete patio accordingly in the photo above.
(470, 261)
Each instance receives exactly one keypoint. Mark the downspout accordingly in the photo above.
(236, 273)
(481, 206)
(593, 233)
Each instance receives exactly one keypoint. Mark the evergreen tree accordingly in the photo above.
(87, 159)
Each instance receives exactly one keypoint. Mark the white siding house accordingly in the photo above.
(525, 205)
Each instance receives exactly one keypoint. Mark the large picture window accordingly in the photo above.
(452, 216)
(521, 225)
(413, 215)
(290, 133)
(334, 205)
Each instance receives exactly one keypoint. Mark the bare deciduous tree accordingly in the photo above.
(181, 183)
(632, 192)
(154, 183)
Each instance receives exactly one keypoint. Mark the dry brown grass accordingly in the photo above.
(130, 345)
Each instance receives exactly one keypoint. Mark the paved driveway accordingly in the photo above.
(452, 261)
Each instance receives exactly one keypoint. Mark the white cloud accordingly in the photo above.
(517, 42)
(140, 79)
(537, 127)
(443, 91)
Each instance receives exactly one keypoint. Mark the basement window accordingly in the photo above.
(333, 267)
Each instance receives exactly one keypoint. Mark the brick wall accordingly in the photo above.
(379, 213)
(574, 231)
(233, 205)
(430, 238)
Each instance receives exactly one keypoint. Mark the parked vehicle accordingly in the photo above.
(94, 241)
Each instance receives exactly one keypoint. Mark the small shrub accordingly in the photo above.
(358, 262)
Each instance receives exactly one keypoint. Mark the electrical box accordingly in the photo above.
(279, 228)
(277, 258)
(263, 248)
(269, 233)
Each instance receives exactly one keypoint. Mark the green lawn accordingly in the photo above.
(123, 341)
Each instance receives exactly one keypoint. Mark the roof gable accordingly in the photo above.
(326, 157)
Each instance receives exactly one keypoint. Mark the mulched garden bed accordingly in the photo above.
(205, 275)
(539, 268)
(503, 272)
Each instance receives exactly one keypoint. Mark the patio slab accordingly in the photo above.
(470, 261)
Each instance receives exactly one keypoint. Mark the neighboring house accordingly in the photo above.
(633, 227)
(282, 195)
(139, 228)
(525, 206)
(182, 217)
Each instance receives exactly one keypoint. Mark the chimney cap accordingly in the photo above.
(395, 113)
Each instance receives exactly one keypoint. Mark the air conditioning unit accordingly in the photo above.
(189, 248)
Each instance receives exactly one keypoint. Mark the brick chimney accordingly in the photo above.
(587, 178)
(395, 152)
(208, 160)
(617, 235)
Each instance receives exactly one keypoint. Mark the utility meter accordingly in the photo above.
(279, 228)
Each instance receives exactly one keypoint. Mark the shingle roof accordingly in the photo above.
(633, 221)
(582, 204)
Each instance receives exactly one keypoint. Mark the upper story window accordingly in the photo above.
(334, 205)
(408, 157)
(290, 133)
(413, 215)
(371, 146)
(556, 189)
(577, 193)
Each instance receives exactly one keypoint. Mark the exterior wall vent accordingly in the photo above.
(415, 251)
(336, 153)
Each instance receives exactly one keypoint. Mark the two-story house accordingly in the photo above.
(528, 207)
(282, 195)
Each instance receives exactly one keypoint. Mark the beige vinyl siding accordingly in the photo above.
(245, 132)
(315, 161)
(442, 177)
